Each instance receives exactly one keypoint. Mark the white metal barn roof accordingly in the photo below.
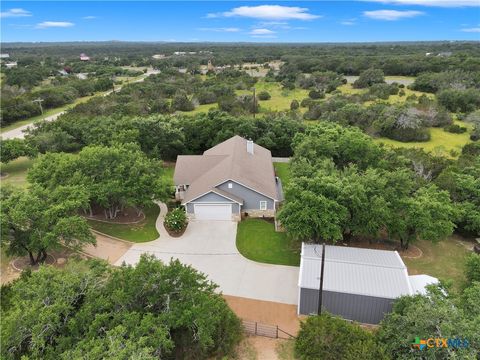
(418, 283)
(378, 273)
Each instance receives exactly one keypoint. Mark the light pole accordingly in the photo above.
(254, 103)
(320, 290)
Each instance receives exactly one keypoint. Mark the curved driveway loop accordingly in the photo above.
(209, 246)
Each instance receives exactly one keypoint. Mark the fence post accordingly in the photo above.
(255, 328)
(277, 333)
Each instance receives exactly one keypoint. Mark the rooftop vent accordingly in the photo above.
(250, 146)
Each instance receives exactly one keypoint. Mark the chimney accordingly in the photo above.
(250, 147)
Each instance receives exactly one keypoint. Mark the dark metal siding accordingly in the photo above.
(361, 308)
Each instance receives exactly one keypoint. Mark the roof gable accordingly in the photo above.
(231, 162)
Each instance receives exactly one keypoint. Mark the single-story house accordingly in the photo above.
(233, 178)
(358, 284)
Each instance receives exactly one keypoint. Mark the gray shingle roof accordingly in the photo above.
(228, 160)
(378, 273)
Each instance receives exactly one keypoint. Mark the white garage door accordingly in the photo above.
(213, 211)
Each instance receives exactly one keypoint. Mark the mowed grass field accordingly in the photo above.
(441, 142)
(444, 260)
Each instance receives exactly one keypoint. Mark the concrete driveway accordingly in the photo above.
(209, 246)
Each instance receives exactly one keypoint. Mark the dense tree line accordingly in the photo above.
(164, 137)
(91, 310)
(343, 185)
(16, 104)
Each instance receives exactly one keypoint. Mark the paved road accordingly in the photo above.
(209, 246)
(18, 133)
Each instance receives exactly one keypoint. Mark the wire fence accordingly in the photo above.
(271, 331)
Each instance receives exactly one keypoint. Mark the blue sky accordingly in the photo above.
(241, 21)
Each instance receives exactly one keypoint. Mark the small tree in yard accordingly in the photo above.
(176, 220)
(330, 338)
(294, 105)
(38, 220)
(264, 95)
(12, 149)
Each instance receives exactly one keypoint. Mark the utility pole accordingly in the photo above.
(39, 101)
(320, 290)
(254, 103)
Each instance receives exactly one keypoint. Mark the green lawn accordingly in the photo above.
(141, 232)
(441, 141)
(280, 98)
(17, 171)
(283, 172)
(443, 260)
(258, 241)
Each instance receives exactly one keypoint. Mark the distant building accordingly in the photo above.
(358, 284)
(63, 72)
(428, 54)
(4, 56)
(445, 54)
(181, 53)
(11, 64)
(84, 57)
(158, 56)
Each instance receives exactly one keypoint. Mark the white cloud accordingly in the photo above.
(391, 15)
(268, 12)
(90, 17)
(261, 32)
(471, 30)
(15, 13)
(349, 22)
(54, 24)
(228, 29)
(439, 3)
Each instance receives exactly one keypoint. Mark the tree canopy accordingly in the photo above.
(91, 310)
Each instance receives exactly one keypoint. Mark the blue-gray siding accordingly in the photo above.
(212, 198)
(361, 308)
(251, 199)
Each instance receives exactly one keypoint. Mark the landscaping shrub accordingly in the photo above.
(327, 337)
(264, 95)
(455, 129)
(294, 105)
(176, 220)
(315, 94)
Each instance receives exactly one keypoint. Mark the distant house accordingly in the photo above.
(358, 284)
(4, 56)
(84, 57)
(232, 178)
(158, 56)
(180, 53)
(10, 65)
(444, 54)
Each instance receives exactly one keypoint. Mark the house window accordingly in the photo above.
(263, 205)
(230, 185)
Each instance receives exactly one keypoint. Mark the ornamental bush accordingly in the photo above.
(455, 129)
(327, 337)
(176, 220)
(264, 95)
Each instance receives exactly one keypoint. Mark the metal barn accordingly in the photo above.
(358, 284)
